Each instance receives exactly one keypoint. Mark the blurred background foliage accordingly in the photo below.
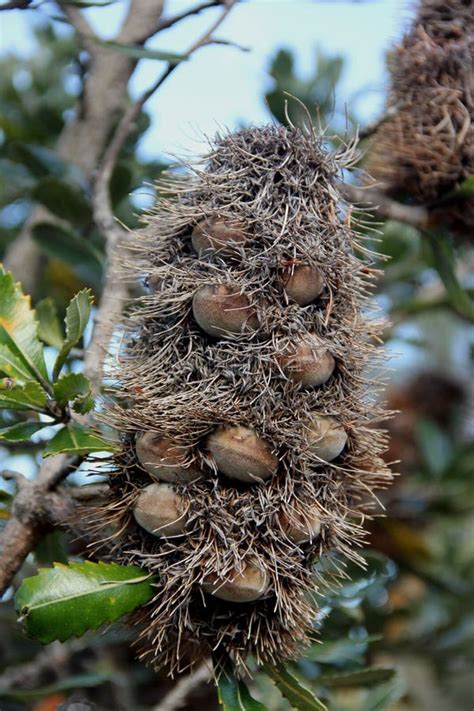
(413, 610)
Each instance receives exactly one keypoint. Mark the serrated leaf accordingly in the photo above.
(74, 439)
(361, 677)
(137, 51)
(77, 316)
(66, 245)
(49, 326)
(70, 387)
(13, 366)
(30, 396)
(21, 432)
(18, 330)
(64, 200)
(299, 696)
(68, 600)
(233, 694)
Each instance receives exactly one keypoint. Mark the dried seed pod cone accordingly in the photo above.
(199, 368)
(303, 283)
(220, 310)
(426, 146)
(246, 585)
(308, 362)
(241, 454)
(326, 437)
(300, 526)
(165, 459)
(218, 235)
(160, 510)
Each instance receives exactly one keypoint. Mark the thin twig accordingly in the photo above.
(177, 697)
(170, 21)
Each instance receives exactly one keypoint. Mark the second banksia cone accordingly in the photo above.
(426, 146)
(248, 399)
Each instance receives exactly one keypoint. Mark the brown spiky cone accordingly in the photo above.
(246, 402)
(426, 148)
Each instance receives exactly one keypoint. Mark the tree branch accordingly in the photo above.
(170, 21)
(383, 206)
(178, 696)
(36, 509)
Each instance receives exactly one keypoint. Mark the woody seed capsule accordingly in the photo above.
(308, 362)
(240, 454)
(165, 459)
(326, 437)
(217, 235)
(303, 283)
(246, 586)
(160, 511)
(220, 309)
(299, 527)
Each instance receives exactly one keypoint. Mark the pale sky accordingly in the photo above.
(222, 86)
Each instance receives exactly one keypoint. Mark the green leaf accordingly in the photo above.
(30, 396)
(138, 52)
(21, 432)
(49, 326)
(68, 600)
(77, 316)
(233, 694)
(75, 439)
(75, 681)
(444, 262)
(362, 677)
(13, 366)
(63, 199)
(340, 652)
(72, 387)
(66, 245)
(18, 329)
(299, 696)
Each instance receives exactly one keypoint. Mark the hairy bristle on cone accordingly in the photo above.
(426, 146)
(231, 403)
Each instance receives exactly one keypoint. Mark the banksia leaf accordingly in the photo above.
(21, 432)
(77, 316)
(299, 696)
(21, 353)
(49, 326)
(360, 677)
(30, 396)
(75, 439)
(72, 387)
(68, 600)
(245, 413)
(233, 694)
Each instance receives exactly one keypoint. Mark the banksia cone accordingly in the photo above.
(426, 147)
(245, 410)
